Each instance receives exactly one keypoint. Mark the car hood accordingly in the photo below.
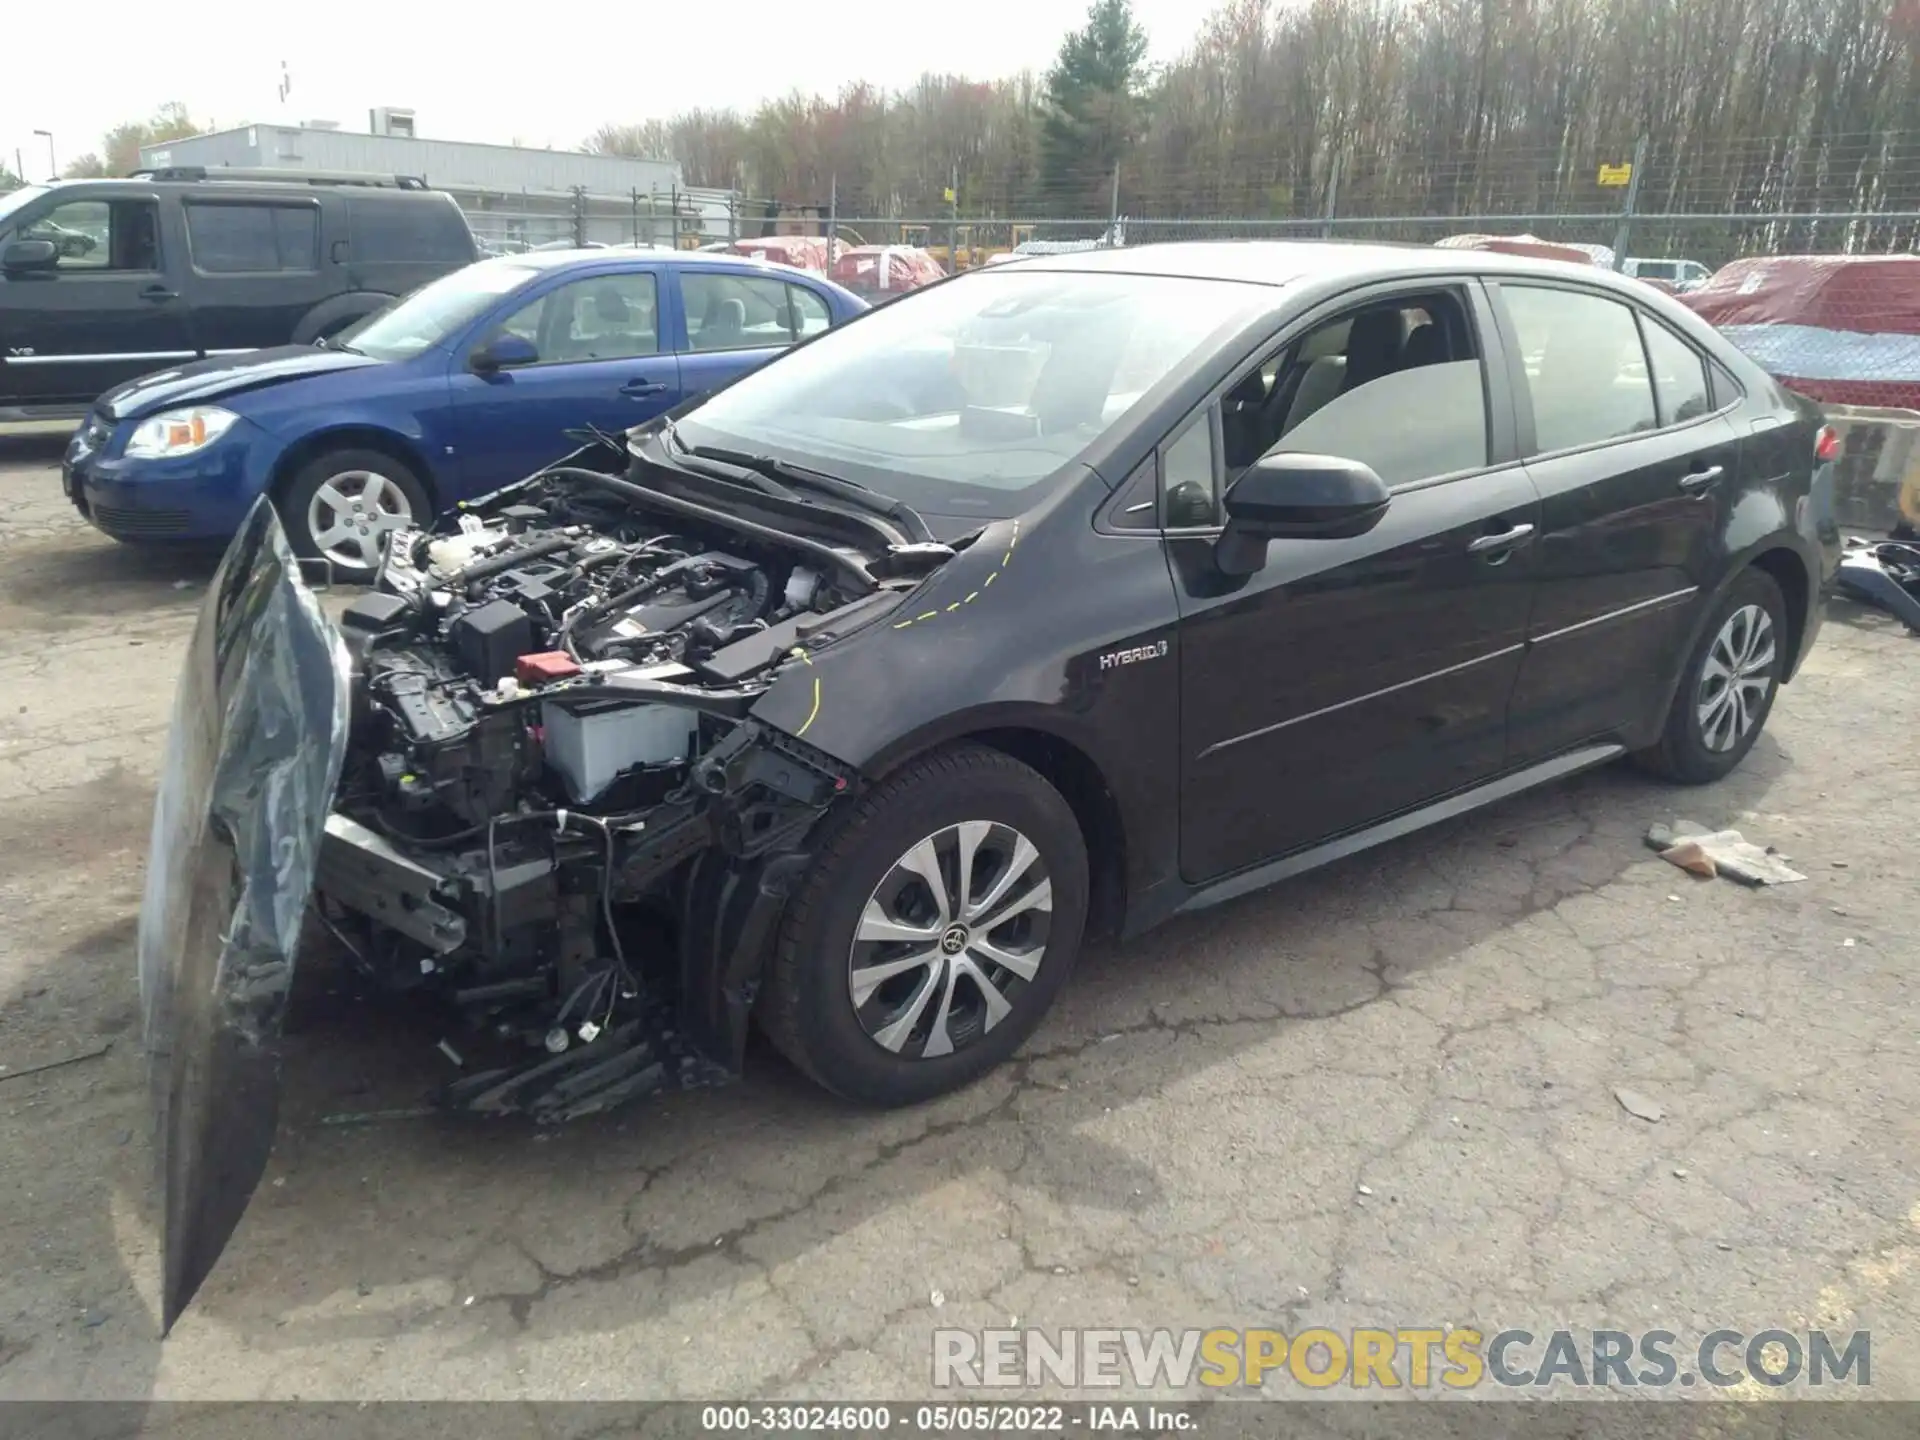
(258, 739)
(219, 376)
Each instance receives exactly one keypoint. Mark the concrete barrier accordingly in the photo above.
(1877, 478)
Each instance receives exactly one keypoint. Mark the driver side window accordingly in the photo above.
(92, 237)
(600, 317)
(1397, 384)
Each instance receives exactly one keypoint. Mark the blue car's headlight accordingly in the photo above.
(179, 432)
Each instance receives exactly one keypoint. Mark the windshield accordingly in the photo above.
(14, 199)
(433, 312)
(966, 398)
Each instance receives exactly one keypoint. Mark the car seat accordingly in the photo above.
(723, 326)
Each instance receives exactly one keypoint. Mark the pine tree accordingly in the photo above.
(1096, 106)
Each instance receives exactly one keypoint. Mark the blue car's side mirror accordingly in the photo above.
(503, 352)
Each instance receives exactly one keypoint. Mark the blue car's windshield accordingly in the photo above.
(15, 199)
(432, 313)
(971, 397)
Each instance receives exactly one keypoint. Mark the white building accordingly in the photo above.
(513, 196)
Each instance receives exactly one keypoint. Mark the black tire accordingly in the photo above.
(294, 500)
(807, 1009)
(1683, 753)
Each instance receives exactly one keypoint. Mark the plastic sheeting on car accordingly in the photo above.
(803, 252)
(1843, 329)
(886, 269)
(1530, 245)
(259, 734)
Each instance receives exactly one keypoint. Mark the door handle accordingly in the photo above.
(1505, 540)
(1701, 479)
(640, 388)
(159, 293)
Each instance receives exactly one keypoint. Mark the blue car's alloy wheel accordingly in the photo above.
(342, 504)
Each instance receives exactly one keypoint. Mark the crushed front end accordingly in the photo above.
(520, 781)
(557, 815)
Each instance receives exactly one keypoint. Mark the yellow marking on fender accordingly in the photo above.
(971, 596)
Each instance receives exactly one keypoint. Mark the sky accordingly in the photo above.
(501, 73)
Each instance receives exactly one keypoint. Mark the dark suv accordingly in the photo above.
(103, 280)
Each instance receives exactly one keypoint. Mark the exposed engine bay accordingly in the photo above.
(556, 812)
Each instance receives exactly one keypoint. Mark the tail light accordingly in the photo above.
(1826, 446)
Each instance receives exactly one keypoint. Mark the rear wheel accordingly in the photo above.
(1729, 686)
(941, 917)
(340, 504)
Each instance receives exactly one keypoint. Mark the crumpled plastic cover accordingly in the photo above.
(1843, 329)
(259, 735)
(868, 269)
(803, 252)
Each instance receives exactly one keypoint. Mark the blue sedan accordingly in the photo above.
(465, 385)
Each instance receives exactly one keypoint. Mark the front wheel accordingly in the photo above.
(942, 915)
(1729, 686)
(339, 505)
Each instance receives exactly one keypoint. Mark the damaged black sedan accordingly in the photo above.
(1058, 598)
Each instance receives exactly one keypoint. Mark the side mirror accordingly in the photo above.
(23, 256)
(503, 352)
(1297, 497)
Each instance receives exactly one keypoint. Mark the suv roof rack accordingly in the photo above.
(262, 174)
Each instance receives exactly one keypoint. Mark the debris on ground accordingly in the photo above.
(1691, 858)
(12, 1072)
(1634, 1103)
(1708, 853)
(1884, 574)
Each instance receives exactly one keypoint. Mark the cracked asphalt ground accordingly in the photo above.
(1443, 1021)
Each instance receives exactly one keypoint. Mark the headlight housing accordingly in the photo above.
(179, 432)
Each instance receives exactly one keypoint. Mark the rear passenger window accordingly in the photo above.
(253, 239)
(748, 312)
(1726, 389)
(1679, 374)
(809, 310)
(1586, 370)
(412, 229)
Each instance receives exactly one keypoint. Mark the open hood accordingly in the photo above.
(259, 735)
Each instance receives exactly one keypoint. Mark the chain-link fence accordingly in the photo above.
(507, 223)
(1845, 330)
(1660, 196)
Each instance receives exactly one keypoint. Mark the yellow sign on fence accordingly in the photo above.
(1616, 174)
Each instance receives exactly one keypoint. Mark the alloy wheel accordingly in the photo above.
(1736, 678)
(349, 513)
(949, 939)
